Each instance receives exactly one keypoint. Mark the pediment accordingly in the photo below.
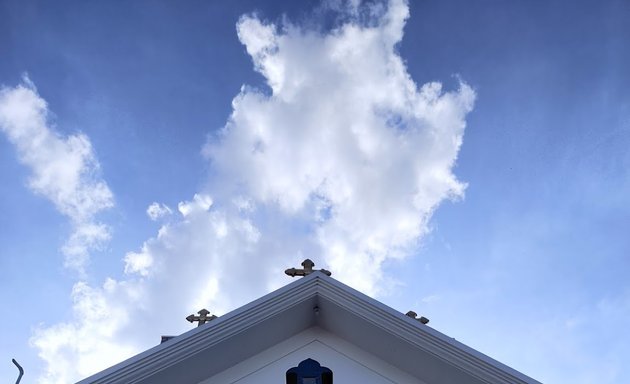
(347, 363)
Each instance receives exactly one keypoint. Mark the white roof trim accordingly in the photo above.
(291, 307)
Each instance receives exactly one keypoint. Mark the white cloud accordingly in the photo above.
(344, 162)
(63, 169)
(346, 139)
(138, 262)
(73, 349)
(156, 211)
(200, 203)
(181, 270)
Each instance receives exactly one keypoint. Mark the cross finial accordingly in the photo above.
(202, 318)
(307, 270)
(414, 315)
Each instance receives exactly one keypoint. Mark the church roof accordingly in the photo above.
(314, 300)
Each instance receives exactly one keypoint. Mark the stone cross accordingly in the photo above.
(307, 270)
(202, 318)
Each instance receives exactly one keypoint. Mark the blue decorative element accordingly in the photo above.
(309, 371)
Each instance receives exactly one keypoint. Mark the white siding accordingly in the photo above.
(348, 363)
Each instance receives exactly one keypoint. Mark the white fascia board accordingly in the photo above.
(142, 367)
(160, 357)
(420, 335)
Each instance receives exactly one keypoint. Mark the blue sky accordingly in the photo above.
(266, 132)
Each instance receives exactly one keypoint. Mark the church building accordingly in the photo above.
(315, 330)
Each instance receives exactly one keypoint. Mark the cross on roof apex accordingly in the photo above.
(307, 270)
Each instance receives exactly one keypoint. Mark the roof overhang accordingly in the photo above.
(314, 300)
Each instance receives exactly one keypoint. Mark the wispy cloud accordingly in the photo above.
(343, 159)
(64, 169)
(75, 349)
(157, 210)
(195, 261)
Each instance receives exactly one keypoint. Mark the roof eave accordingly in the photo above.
(299, 297)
